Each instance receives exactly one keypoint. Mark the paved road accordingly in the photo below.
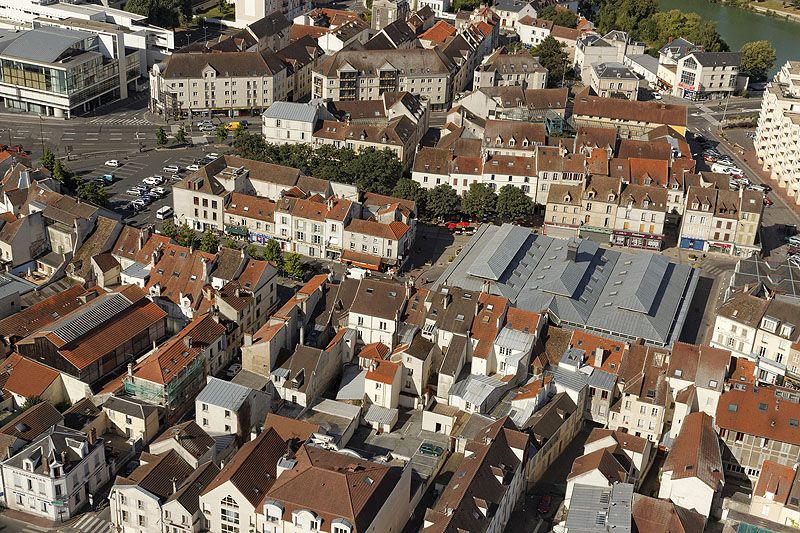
(86, 523)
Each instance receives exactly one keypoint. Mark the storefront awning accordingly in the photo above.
(368, 261)
(236, 230)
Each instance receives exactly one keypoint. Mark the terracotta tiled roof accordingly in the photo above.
(335, 485)
(702, 364)
(382, 371)
(613, 350)
(757, 410)
(614, 108)
(249, 206)
(744, 371)
(562, 32)
(744, 308)
(33, 422)
(695, 452)
(532, 389)
(290, 429)
(662, 516)
(376, 351)
(438, 33)
(41, 314)
(775, 479)
(656, 170)
(392, 231)
(603, 460)
(487, 323)
(253, 469)
(28, 378)
(181, 271)
(626, 441)
(166, 363)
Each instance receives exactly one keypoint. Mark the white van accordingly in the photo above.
(164, 213)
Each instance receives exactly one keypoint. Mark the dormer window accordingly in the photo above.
(645, 204)
(498, 141)
(787, 330)
(695, 205)
(512, 142)
(769, 324)
(706, 207)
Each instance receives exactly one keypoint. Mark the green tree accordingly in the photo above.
(63, 175)
(255, 252)
(169, 229)
(209, 242)
(250, 146)
(166, 13)
(161, 136)
(180, 136)
(293, 266)
(185, 236)
(479, 201)
(48, 159)
(274, 254)
(758, 58)
(221, 133)
(552, 57)
(30, 401)
(410, 190)
(624, 15)
(559, 16)
(661, 27)
(93, 193)
(442, 201)
(513, 204)
(467, 5)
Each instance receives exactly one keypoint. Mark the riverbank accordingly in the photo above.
(793, 15)
(739, 25)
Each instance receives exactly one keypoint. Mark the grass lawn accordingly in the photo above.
(777, 6)
(215, 13)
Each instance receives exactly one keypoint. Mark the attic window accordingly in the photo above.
(689, 467)
(712, 383)
(193, 277)
(678, 372)
(651, 393)
(460, 318)
(762, 407)
(467, 296)
(369, 290)
(793, 422)
(732, 407)
(392, 294)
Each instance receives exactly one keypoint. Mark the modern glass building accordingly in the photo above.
(60, 72)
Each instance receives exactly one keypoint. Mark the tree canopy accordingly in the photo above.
(479, 201)
(93, 193)
(663, 26)
(552, 57)
(185, 236)
(209, 242)
(370, 169)
(758, 58)
(513, 204)
(166, 13)
(293, 266)
(443, 201)
(411, 190)
(559, 16)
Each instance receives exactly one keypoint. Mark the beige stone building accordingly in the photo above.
(501, 69)
(614, 80)
(355, 75)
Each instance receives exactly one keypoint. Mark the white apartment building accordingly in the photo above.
(777, 139)
(614, 80)
(188, 84)
(225, 408)
(533, 31)
(592, 49)
(501, 69)
(293, 123)
(53, 477)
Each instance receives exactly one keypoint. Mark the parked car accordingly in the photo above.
(794, 240)
(153, 180)
(206, 127)
(795, 260)
(159, 191)
(112, 163)
(193, 168)
(244, 123)
(233, 126)
(172, 169)
(212, 155)
(164, 213)
(429, 448)
(140, 203)
(133, 191)
(757, 187)
(105, 179)
(233, 370)
(768, 202)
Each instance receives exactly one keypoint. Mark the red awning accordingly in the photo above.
(368, 261)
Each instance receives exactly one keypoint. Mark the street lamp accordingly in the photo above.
(41, 133)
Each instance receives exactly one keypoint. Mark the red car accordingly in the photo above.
(544, 504)
(768, 202)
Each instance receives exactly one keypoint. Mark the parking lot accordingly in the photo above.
(134, 169)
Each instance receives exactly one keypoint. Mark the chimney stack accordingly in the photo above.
(187, 340)
(598, 356)
(572, 249)
(92, 436)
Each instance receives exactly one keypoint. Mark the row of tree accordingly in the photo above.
(165, 13)
(479, 202)
(370, 170)
(289, 264)
(86, 190)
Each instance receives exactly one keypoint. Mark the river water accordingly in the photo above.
(738, 26)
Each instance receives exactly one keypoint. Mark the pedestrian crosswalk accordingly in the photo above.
(122, 121)
(90, 523)
(30, 528)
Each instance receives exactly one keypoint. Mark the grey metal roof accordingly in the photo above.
(781, 278)
(497, 255)
(381, 415)
(476, 389)
(614, 70)
(136, 270)
(223, 394)
(600, 509)
(573, 380)
(292, 111)
(514, 339)
(44, 45)
(89, 316)
(334, 408)
(646, 61)
(600, 379)
(352, 386)
(11, 284)
(615, 293)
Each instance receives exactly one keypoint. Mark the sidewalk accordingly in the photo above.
(30, 519)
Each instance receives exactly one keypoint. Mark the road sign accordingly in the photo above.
(58, 503)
